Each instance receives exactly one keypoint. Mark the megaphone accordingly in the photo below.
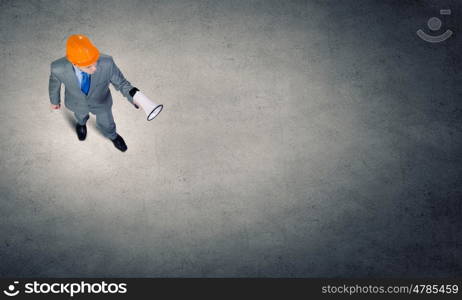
(150, 107)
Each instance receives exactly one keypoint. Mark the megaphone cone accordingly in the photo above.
(150, 107)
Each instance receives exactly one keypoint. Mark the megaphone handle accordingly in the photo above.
(132, 93)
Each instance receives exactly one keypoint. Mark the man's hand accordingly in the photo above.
(53, 106)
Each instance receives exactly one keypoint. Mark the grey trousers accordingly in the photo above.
(104, 122)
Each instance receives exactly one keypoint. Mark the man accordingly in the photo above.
(86, 74)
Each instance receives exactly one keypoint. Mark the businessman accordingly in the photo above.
(86, 74)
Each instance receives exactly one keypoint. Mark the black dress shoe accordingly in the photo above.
(81, 131)
(119, 143)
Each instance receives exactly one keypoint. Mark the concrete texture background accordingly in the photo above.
(298, 139)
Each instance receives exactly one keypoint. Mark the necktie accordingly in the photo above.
(85, 86)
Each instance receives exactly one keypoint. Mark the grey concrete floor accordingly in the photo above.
(298, 139)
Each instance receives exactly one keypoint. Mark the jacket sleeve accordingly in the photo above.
(54, 88)
(120, 83)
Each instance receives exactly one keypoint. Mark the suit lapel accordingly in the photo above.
(94, 78)
(70, 73)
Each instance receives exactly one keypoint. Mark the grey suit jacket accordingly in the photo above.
(99, 96)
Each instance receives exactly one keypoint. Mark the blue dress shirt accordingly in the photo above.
(78, 73)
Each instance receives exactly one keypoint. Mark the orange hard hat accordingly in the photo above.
(80, 51)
